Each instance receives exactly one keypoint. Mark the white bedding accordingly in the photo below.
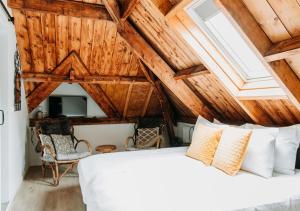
(167, 180)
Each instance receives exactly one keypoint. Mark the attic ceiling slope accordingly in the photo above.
(154, 62)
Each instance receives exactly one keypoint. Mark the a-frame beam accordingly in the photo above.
(62, 7)
(283, 49)
(155, 63)
(258, 40)
(72, 63)
(94, 90)
(43, 90)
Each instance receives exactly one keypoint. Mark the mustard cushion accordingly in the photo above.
(204, 143)
(231, 150)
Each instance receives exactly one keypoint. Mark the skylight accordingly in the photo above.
(230, 41)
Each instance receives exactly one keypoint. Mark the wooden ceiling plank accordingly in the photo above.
(48, 29)
(87, 29)
(36, 40)
(191, 72)
(283, 49)
(156, 64)
(62, 39)
(62, 7)
(259, 42)
(74, 34)
(23, 39)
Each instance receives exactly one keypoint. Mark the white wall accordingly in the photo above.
(13, 137)
(95, 134)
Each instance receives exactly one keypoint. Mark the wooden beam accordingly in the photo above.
(261, 44)
(94, 90)
(45, 89)
(191, 72)
(92, 79)
(127, 100)
(283, 49)
(128, 6)
(91, 121)
(155, 63)
(62, 7)
(166, 108)
(147, 101)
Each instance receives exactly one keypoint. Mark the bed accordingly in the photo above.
(167, 180)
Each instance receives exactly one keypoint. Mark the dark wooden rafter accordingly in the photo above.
(155, 63)
(147, 101)
(128, 95)
(62, 7)
(283, 49)
(128, 7)
(92, 79)
(166, 108)
(73, 67)
(191, 72)
(281, 71)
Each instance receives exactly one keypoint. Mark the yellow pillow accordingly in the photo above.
(204, 143)
(231, 150)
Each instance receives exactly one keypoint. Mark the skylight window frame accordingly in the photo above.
(263, 88)
(238, 69)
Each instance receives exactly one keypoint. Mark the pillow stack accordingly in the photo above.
(287, 140)
(253, 148)
(222, 146)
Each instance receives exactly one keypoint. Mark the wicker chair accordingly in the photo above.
(54, 135)
(147, 135)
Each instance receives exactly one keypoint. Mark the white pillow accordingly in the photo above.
(286, 145)
(204, 121)
(260, 155)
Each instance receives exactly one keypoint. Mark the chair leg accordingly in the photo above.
(43, 169)
(57, 174)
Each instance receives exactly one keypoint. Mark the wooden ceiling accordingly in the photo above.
(104, 49)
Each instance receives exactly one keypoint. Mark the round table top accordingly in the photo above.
(106, 148)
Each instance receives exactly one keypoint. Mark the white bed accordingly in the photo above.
(167, 180)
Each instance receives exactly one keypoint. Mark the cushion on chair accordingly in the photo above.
(146, 137)
(63, 144)
(73, 156)
(45, 139)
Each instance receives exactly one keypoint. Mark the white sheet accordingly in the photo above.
(167, 180)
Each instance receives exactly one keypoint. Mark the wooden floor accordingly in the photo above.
(37, 193)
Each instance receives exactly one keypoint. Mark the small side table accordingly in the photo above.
(106, 148)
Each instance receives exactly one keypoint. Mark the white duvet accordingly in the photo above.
(167, 180)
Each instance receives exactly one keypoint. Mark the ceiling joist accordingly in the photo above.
(283, 49)
(191, 72)
(92, 79)
(62, 7)
(128, 7)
